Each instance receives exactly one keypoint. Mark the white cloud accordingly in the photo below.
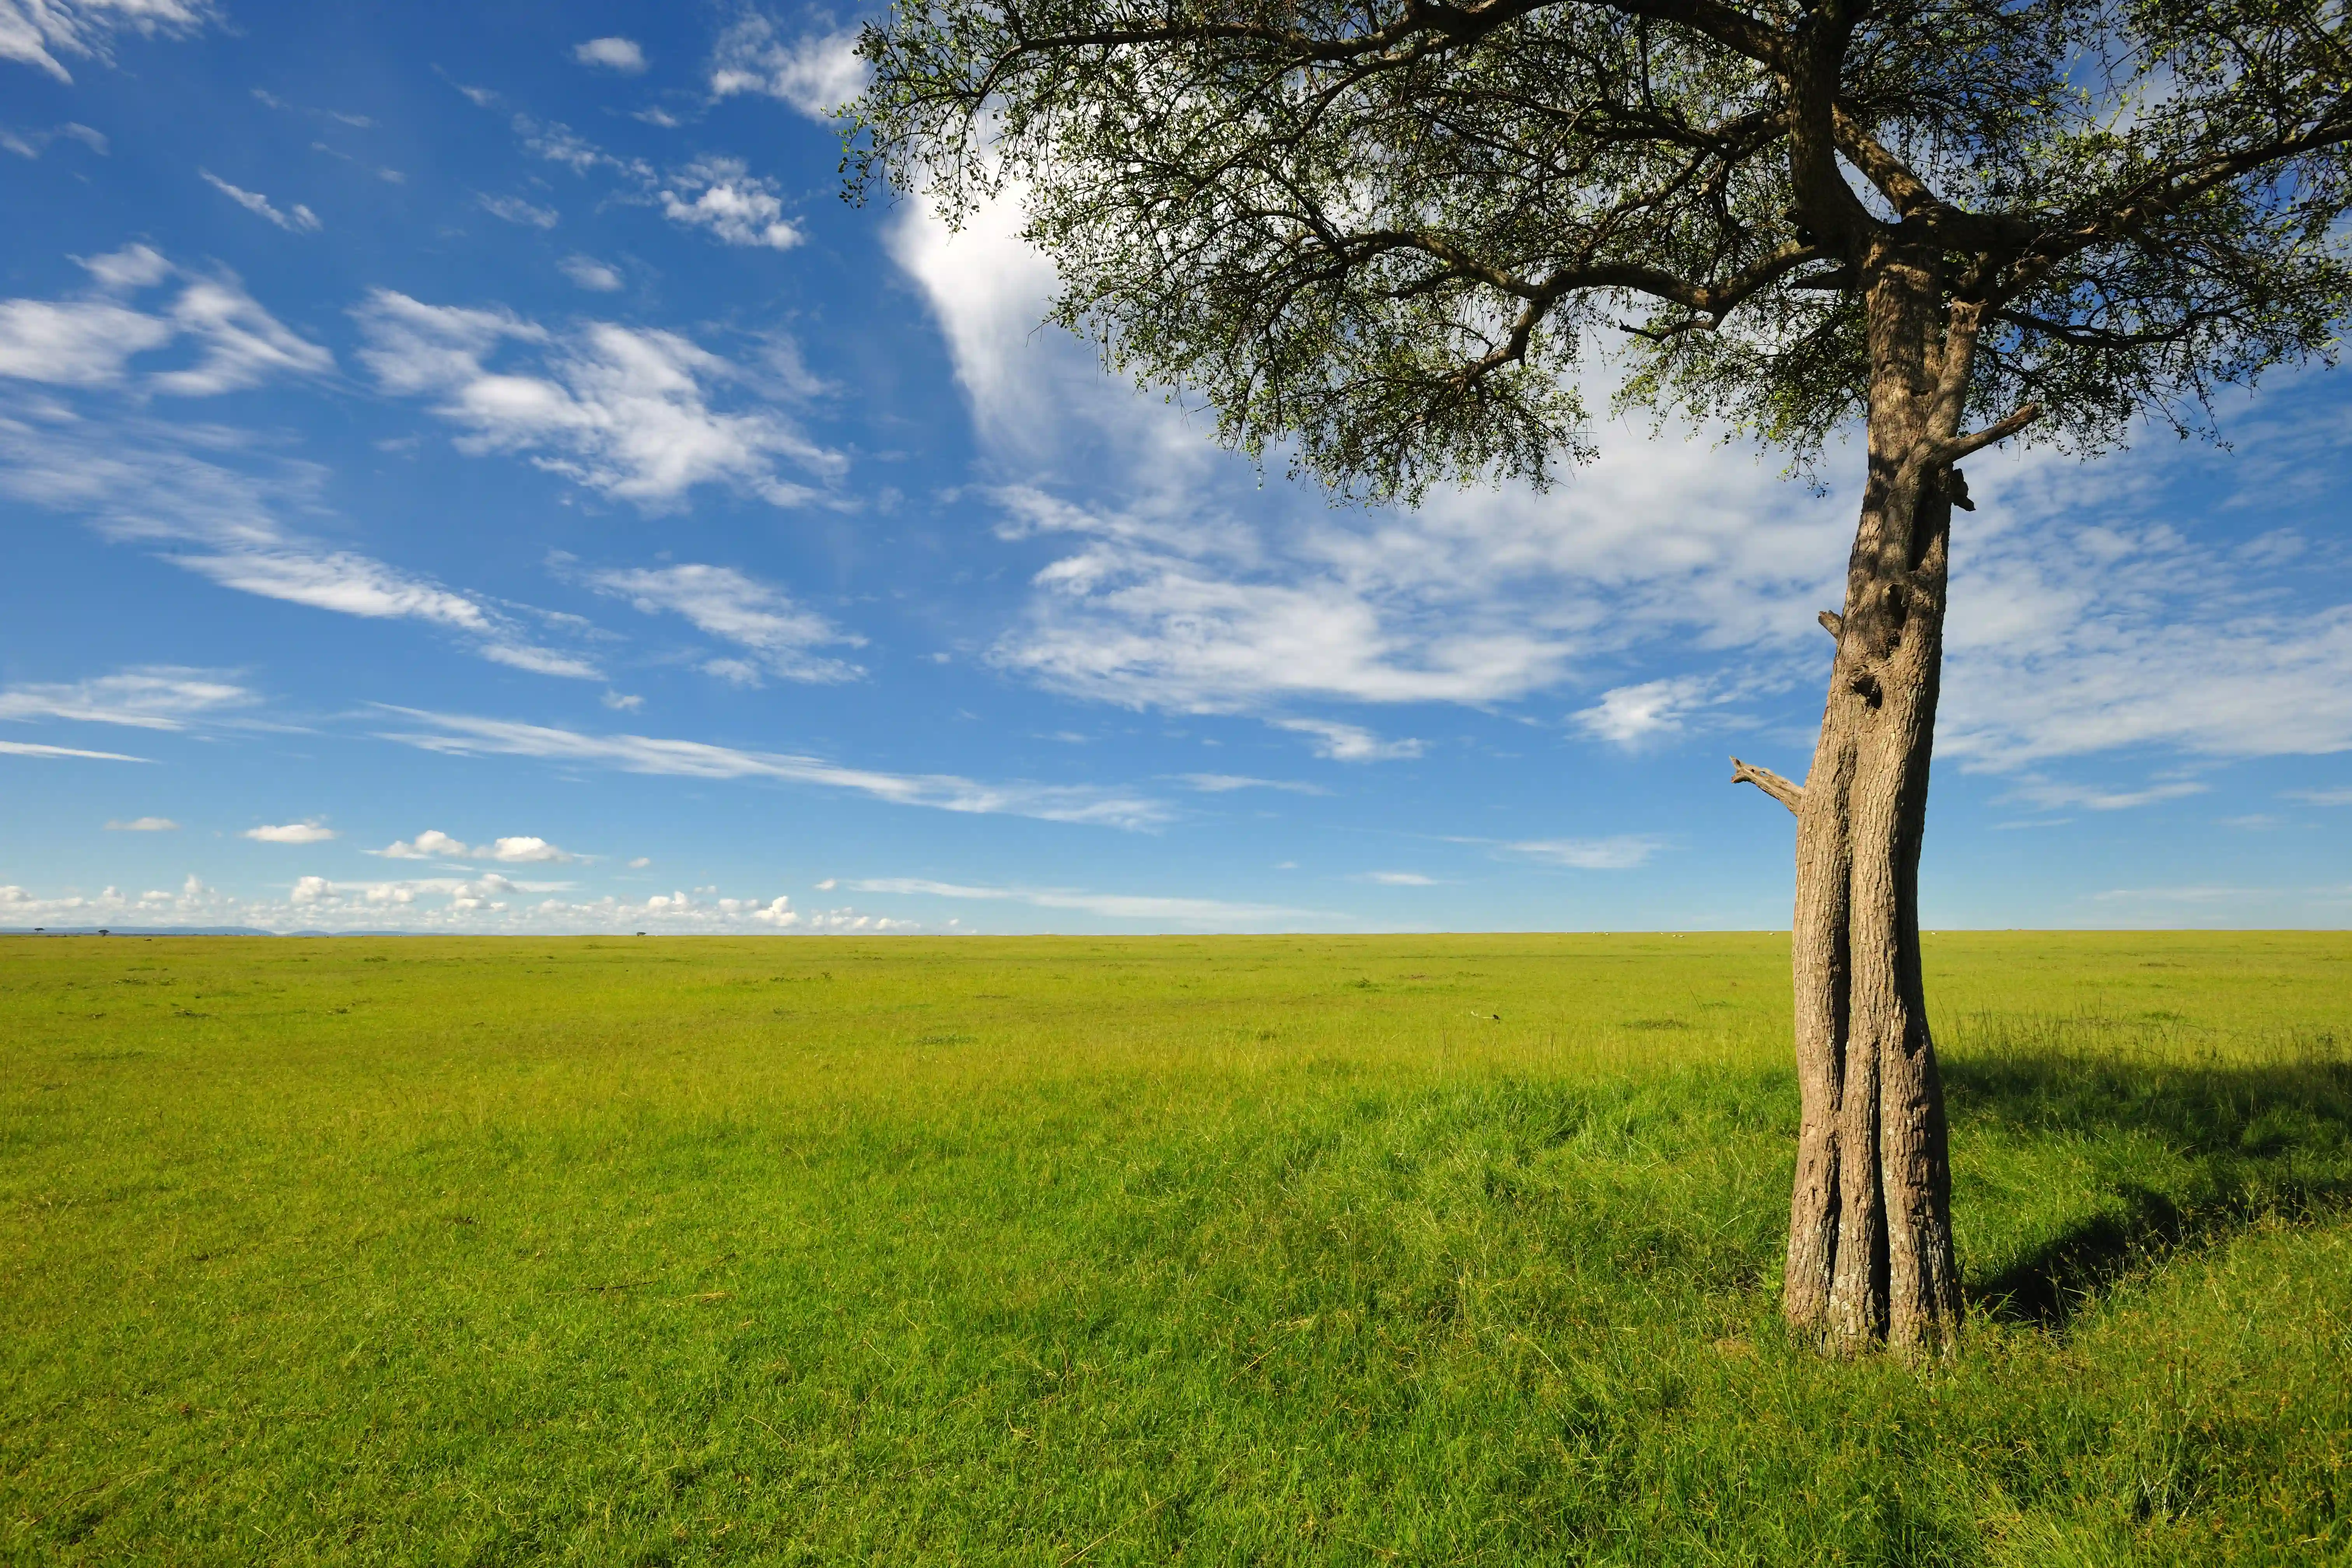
(1187, 586)
(1629, 715)
(816, 75)
(2053, 794)
(85, 343)
(148, 697)
(623, 701)
(425, 845)
(433, 843)
(524, 850)
(291, 833)
(175, 488)
(517, 211)
(144, 825)
(90, 342)
(1351, 743)
(2321, 796)
(640, 862)
(622, 55)
(2082, 621)
(623, 411)
(1618, 852)
(737, 608)
(33, 749)
(133, 267)
(297, 219)
(724, 196)
(1114, 906)
(33, 143)
(36, 32)
(1399, 879)
(592, 274)
(463, 735)
(1223, 784)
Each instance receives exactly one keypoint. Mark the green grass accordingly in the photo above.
(1065, 1251)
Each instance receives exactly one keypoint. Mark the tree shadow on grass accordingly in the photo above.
(2242, 1141)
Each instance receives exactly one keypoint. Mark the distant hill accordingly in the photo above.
(139, 931)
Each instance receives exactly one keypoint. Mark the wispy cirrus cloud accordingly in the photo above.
(1617, 852)
(184, 493)
(145, 697)
(759, 618)
(36, 32)
(295, 219)
(1351, 743)
(36, 749)
(1676, 579)
(33, 143)
(229, 341)
(460, 734)
(627, 412)
(1187, 911)
(1226, 783)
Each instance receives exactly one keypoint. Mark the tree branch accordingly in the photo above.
(1789, 794)
(1959, 447)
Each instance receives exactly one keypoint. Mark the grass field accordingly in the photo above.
(1391, 1250)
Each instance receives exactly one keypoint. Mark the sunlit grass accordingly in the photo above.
(1378, 1250)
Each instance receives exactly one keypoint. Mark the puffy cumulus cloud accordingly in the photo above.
(147, 697)
(463, 735)
(144, 825)
(591, 274)
(703, 910)
(37, 32)
(520, 849)
(425, 845)
(289, 832)
(523, 850)
(623, 54)
(229, 341)
(723, 195)
(295, 219)
(1351, 743)
(619, 410)
(816, 74)
(735, 607)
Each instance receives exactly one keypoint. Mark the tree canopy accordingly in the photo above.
(1389, 237)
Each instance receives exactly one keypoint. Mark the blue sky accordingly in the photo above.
(463, 468)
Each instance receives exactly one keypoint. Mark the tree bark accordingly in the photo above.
(1870, 1232)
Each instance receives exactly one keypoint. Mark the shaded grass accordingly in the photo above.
(1323, 1251)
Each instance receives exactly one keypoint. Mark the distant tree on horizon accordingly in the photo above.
(1381, 236)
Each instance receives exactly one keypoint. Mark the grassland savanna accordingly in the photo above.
(1060, 1251)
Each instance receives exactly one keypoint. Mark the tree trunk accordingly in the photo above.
(1870, 1230)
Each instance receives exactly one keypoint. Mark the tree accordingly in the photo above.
(1385, 236)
